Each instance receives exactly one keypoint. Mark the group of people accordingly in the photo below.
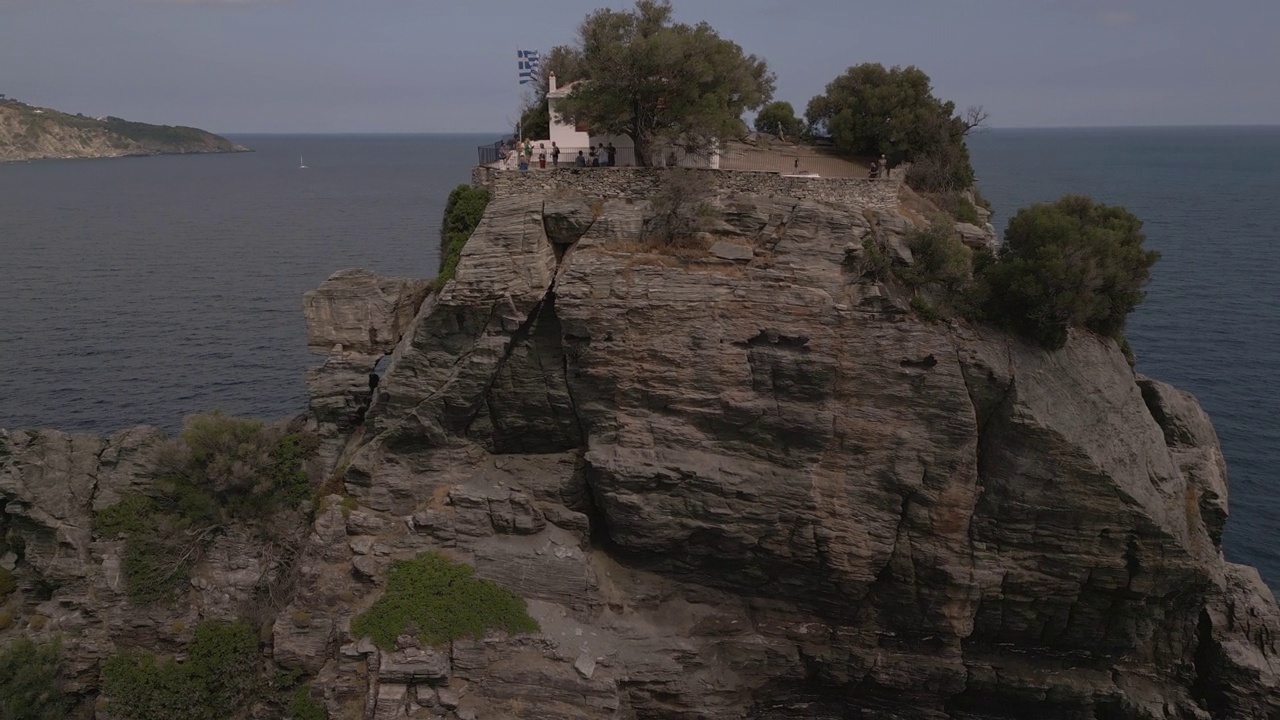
(522, 152)
(600, 156)
(879, 168)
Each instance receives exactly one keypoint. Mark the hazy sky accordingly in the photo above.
(446, 66)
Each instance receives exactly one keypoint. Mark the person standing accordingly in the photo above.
(612, 152)
(594, 159)
(555, 154)
(884, 166)
(542, 156)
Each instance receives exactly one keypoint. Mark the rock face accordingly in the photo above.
(69, 583)
(32, 133)
(738, 485)
(354, 318)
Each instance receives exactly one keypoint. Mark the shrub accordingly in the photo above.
(964, 211)
(443, 601)
(218, 677)
(220, 470)
(679, 208)
(30, 688)
(1072, 263)
(462, 213)
(875, 263)
(940, 259)
(305, 707)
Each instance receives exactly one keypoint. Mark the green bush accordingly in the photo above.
(443, 602)
(30, 688)
(940, 259)
(222, 469)
(218, 678)
(305, 707)
(965, 212)
(462, 213)
(875, 262)
(1072, 263)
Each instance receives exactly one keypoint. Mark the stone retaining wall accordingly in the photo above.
(641, 183)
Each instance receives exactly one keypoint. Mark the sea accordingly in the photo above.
(142, 290)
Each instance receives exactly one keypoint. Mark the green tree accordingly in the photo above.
(1072, 263)
(779, 118)
(871, 110)
(662, 83)
(29, 685)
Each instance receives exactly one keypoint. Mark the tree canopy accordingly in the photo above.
(1072, 263)
(660, 82)
(779, 118)
(871, 110)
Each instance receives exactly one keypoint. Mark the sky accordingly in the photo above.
(244, 66)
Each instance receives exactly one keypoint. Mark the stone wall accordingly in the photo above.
(641, 183)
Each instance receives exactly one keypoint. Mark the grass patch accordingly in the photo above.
(438, 601)
(218, 678)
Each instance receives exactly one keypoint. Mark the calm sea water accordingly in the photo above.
(141, 290)
(1211, 321)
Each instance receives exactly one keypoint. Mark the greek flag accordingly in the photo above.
(528, 63)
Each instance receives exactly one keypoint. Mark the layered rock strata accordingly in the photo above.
(746, 483)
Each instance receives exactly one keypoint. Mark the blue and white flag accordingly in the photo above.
(528, 63)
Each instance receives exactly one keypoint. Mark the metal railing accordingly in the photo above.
(734, 160)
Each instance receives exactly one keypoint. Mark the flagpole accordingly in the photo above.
(519, 125)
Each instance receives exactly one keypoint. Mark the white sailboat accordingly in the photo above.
(301, 165)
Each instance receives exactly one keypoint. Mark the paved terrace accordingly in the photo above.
(771, 157)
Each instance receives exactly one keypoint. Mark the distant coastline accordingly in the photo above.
(30, 133)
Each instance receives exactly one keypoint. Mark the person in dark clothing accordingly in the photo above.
(555, 154)
(612, 152)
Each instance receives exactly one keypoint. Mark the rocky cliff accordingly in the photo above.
(33, 133)
(736, 483)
